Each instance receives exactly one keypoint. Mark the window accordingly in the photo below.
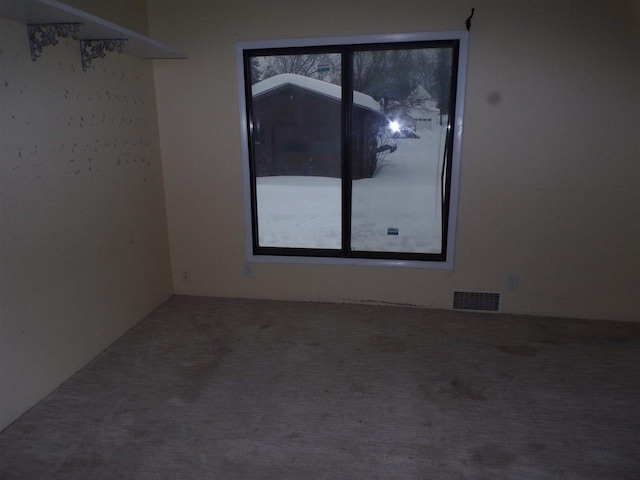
(351, 148)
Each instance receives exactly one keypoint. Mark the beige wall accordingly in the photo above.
(550, 171)
(126, 13)
(83, 239)
(550, 180)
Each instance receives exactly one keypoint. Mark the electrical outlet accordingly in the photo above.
(513, 281)
(247, 271)
(186, 277)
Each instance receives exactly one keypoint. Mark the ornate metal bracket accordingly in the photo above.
(41, 35)
(90, 49)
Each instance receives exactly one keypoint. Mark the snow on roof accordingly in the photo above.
(421, 93)
(423, 100)
(318, 86)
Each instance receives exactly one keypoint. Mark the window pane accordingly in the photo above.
(296, 135)
(398, 133)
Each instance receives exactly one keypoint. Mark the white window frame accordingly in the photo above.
(462, 36)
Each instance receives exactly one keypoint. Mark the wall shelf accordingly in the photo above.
(90, 27)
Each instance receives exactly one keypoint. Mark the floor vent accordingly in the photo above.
(487, 302)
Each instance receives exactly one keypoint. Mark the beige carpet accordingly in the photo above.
(244, 389)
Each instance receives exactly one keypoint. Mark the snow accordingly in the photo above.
(315, 85)
(305, 212)
(423, 99)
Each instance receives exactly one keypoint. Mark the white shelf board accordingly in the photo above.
(92, 28)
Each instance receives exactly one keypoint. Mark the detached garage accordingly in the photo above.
(297, 123)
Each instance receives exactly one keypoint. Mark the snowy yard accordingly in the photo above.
(305, 212)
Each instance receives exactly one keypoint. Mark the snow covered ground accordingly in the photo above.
(305, 212)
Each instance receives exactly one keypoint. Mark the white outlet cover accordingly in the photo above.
(247, 271)
(513, 281)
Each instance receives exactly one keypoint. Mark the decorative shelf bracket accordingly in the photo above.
(91, 49)
(41, 35)
(47, 20)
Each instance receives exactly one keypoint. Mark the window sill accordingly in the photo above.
(351, 262)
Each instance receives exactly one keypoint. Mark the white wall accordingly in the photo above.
(550, 175)
(83, 241)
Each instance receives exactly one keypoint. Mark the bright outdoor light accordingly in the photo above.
(394, 126)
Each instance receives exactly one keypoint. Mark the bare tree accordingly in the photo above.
(323, 66)
(385, 75)
(441, 87)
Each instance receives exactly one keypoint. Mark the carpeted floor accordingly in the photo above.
(246, 389)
